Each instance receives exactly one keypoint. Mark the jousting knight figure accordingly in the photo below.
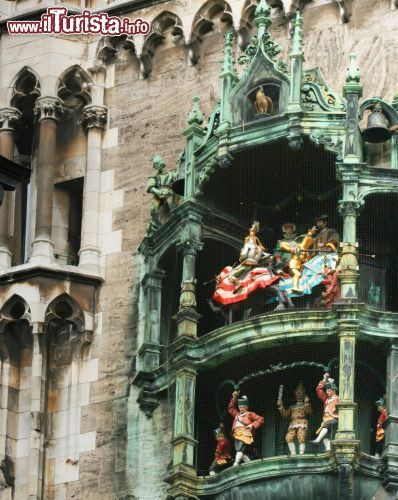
(326, 391)
(298, 426)
(381, 408)
(250, 256)
(243, 426)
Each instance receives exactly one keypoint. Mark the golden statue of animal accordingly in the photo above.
(263, 104)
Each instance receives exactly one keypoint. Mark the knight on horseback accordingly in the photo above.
(250, 257)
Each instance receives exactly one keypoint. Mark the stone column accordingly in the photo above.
(390, 453)
(150, 349)
(8, 116)
(184, 421)
(94, 119)
(47, 111)
(37, 405)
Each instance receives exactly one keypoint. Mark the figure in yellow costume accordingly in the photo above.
(250, 256)
(299, 255)
(298, 426)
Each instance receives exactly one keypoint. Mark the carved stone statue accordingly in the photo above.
(298, 426)
(163, 195)
(263, 104)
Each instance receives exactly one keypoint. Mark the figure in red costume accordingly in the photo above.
(244, 424)
(222, 455)
(330, 416)
(381, 407)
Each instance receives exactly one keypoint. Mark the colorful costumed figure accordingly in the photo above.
(250, 256)
(243, 426)
(222, 455)
(381, 408)
(299, 256)
(327, 239)
(298, 426)
(326, 391)
(281, 257)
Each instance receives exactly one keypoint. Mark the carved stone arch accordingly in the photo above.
(108, 47)
(23, 93)
(205, 21)
(64, 326)
(163, 23)
(24, 87)
(366, 192)
(74, 87)
(14, 309)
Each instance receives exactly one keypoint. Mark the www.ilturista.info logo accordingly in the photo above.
(56, 20)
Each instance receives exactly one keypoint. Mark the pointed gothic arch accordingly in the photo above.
(205, 21)
(74, 87)
(163, 24)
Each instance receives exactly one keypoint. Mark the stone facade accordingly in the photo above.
(71, 426)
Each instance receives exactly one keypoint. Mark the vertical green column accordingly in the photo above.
(194, 134)
(150, 349)
(187, 317)
(296, 57)
(390, 453)
(184, 420)
(394, 139)
(345, 446)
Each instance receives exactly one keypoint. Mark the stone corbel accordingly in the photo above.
(148, 402)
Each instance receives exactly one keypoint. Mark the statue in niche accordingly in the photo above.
(379, 438)
(163, 195)
(263, 104)
(298, 426)
(222, 455)
(243, 427)
(326, 391)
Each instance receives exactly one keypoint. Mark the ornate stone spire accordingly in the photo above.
(228, 60)
(195, 116)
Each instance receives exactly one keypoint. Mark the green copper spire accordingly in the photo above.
(195, 116)
(262, 17)
(297, 34)
(228, 61)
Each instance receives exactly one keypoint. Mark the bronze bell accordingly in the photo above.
(378, 127)
(178, 185)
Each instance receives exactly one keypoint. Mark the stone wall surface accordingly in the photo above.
(147, 116)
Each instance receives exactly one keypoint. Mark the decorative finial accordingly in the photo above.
(297, 33)
(352, 70)
(228, 63)
(262, 17)
(195, 116)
